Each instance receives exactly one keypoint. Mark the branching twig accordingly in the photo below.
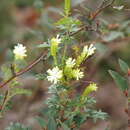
(29, 67)
(93, 16)
(4, 101)
(100, 9)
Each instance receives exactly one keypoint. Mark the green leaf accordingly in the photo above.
(113, 35)
(17, 126)
(6, 72)
(67, 7)
(124, 66)
(119, 80)
(19, 91)
(8, 106)
(69, 23)
(44, 45)
(101, 48)
(40, 76)
(52, 124)
(41, 121)
(64, 126)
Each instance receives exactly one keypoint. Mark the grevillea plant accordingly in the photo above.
(65, 109)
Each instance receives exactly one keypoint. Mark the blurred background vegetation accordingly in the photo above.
(31, 22)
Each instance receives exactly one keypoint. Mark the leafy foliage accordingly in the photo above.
(120, 81)
(17, 126)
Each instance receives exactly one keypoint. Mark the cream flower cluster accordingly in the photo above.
(54, 75)
(19, 51)
(89, 50)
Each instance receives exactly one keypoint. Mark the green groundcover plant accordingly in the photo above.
(65, 109)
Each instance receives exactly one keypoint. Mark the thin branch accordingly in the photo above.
(93, 16)
(4, 101)
(100, 9)
(29, 67)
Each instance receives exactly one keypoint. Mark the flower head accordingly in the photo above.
(70, 62)
(19, 51)
(56, 40)
(89, 50)
(54, 45)
(89, 89)
(54, 75)
(78, 74)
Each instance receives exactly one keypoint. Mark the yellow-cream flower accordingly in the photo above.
(20, 51)
(54, 75)
(89, 50)
(54, 45)
(56, 40)
(78, 74)
(70, 62)
(88, 90)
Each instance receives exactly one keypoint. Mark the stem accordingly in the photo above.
(55, 60)
(5, 101)
(64, 54)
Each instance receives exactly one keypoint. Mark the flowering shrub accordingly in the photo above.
(65, 109)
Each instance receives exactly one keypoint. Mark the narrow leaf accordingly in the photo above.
(64, 126)
(41, 121)
(113, 35)
(124, 66)
(52, 124)
(119, 80)
(44, 45)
